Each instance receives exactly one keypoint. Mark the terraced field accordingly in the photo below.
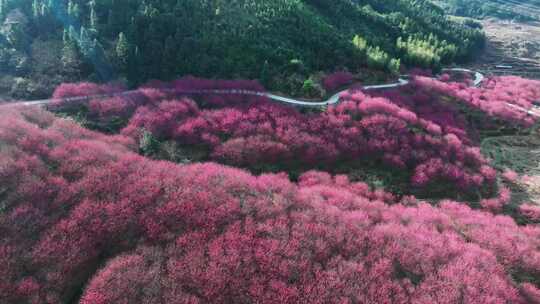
(511, 44)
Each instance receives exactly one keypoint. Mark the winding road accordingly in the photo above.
(402, 81)
(334, 99)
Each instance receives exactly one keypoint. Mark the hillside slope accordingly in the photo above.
(281, 42)
(84, 219)
(504, 9)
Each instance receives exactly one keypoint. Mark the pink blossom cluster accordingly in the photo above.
(531, 212)
(421, 129)
(432, 106)
(510, 176)
(463, 110)
(66, 90)
(123, 103)
(336, 80)
(79, 209)
(497, 204)
(493, 97)
(361, 127)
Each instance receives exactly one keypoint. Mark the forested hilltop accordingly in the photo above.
(283, 43)
(522, 10)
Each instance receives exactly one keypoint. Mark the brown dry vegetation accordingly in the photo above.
(511, 43)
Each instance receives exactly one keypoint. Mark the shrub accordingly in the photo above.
(492, 98)
(336, 80)
(148, 144)
(209, 233)
(376, 128)
(428, 131)
(530, 212)
(309, 88)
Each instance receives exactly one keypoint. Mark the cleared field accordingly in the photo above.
(512, 44)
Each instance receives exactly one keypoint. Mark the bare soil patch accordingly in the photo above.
(510, 43)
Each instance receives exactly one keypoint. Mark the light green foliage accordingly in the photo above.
(70, 56)
(429, 52)
(309, 88)
(376, 58)
(394, 66)
(122, 51)
(148, 144)
(360, 43)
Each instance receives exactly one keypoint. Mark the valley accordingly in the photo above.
(269, 151)
(510, 44)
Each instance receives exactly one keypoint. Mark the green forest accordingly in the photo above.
(282, 43)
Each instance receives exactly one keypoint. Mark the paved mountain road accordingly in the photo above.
(334, 99)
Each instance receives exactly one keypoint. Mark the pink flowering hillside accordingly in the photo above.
(499, 105)
(109, 114)
(84, 219)
(421, 132)
(493, 97)
(360, 128)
